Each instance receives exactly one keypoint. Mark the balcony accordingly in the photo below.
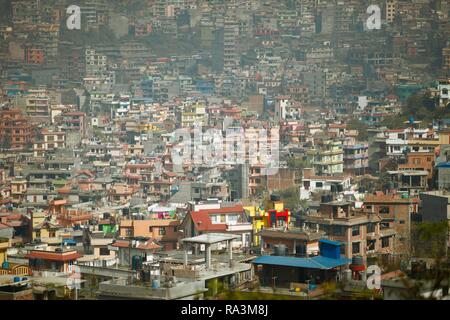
(4, 243)
(372, 236)
(387, 232)
(356, 156)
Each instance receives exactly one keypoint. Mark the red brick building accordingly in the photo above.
(15, 129)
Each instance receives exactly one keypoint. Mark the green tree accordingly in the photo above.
(5, 142)
(297, 164)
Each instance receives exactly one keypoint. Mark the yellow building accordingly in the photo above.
(42, 228)
(4, 245)
(148, 127)
(272, 215)
(193, 114)
(257, 216)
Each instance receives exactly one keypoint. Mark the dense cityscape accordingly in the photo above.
(224, 149)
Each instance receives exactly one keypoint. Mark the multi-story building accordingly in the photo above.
(443, 89)
(328, 158)
(164, 231)
(38, 105)
(312, 183)
(396, 212)
(26, 11)
(225, 219)
(193, 114)
(356, 156)
(400, 141)
(95, 63)
(15, 129)
(446, 59)
(360, 233)
(273, 215)
(51, 140)
(35, 54)
(423, 161)
(391, 10)
(74, 122)
(230, 36)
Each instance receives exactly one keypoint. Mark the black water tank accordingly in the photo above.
(274, 197)
(357, 261)
(279, 250)
(326, 198)
(418, 269)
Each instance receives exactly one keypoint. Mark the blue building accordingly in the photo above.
(282, 271)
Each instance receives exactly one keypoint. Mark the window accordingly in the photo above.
(355, 231)
(371, 245)
(38, 234)
(385, 242)
(162, 231)
(104, 251)
(338, 231)
(401, 222)
(150, 229)
(370, 227)
(355, 247)
(128, 232)
(384, 210)
(384, 225)
(319, 184)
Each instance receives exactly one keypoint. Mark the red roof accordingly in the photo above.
(225, 210)
(202, 222)
(53, 256)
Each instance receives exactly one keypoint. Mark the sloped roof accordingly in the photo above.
(202, 222)
(318, 262)
(54, 256)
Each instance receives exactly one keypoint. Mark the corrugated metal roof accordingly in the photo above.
(318, 262)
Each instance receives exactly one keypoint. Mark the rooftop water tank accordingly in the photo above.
(155, 283)
(5, 265)
(280, 250)
(357, 261)
(274, 197)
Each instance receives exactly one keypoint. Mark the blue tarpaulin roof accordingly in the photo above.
(335, 243)
(318, 262)
(443, 165)
(69, 241)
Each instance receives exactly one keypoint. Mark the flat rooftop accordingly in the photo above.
(210, 238)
